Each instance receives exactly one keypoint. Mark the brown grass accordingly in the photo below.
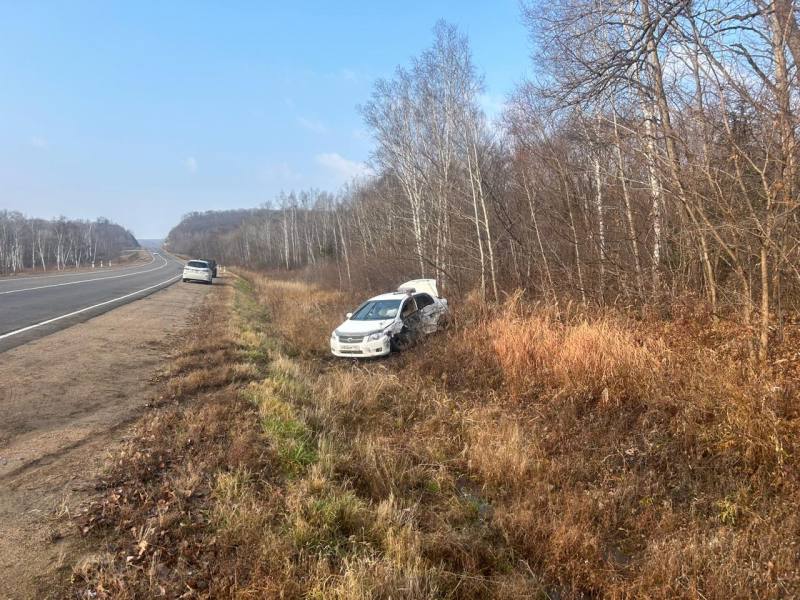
(300, 311)
(152, 511)
(598, 359)
(521, 454)
(612, 456)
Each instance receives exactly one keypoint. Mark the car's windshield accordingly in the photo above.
(377, 310)
(197, 264)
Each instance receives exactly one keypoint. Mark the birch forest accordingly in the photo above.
(28, 244)
(651, 157)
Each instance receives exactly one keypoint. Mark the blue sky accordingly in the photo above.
(142, 111)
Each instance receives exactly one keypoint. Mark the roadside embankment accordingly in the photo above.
(521, 453)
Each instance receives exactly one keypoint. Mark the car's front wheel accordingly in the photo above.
(400, 341)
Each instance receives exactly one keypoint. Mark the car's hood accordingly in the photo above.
(362, 327)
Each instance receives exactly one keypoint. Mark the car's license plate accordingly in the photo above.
(348, 347)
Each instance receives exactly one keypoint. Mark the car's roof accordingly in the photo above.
(389, 296)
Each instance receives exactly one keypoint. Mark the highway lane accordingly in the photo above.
(31, 307)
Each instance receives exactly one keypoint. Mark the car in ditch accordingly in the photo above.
(391, 322)
(198, 270)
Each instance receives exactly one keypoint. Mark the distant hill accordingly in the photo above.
(198, 233)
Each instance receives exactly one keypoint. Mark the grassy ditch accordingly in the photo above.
(521, 454)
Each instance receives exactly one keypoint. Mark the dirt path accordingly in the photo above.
(65, 400)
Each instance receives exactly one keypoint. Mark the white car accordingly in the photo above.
(390, 321)
(198, 270)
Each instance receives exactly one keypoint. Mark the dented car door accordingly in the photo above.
(429, 312)
(410, 325)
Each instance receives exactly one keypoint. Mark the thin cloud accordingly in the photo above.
(342, 168)
(191, 164)
(280, 172)
(312, 125)
(39, 142)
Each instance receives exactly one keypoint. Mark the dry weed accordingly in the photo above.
(523, 454)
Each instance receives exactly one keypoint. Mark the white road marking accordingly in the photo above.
(110, 270)
(82, 310)
(52, 285)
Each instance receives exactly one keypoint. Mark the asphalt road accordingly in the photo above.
(32, 307)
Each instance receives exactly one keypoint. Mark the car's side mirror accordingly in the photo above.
(348, 315)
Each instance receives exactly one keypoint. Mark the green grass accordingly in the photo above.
(252, 314)
(334, 522)
(297, 448)
(274, 396)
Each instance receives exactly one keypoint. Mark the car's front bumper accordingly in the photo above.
(363, 349)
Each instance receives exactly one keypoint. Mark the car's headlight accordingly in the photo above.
(374, 337)
(333, 335)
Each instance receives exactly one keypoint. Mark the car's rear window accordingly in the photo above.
(197, 264)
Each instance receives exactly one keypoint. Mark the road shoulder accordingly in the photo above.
(67, 400)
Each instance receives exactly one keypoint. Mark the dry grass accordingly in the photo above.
(300, 311)
(598, 455)
(596, 359)
(152, 513)
(521, 454)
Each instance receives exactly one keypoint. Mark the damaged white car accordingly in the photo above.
(392, 321)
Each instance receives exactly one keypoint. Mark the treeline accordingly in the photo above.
(654, 156)
(201, 233)
(301, 231)
(39, 244)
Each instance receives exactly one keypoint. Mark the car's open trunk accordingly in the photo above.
(427, 286)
